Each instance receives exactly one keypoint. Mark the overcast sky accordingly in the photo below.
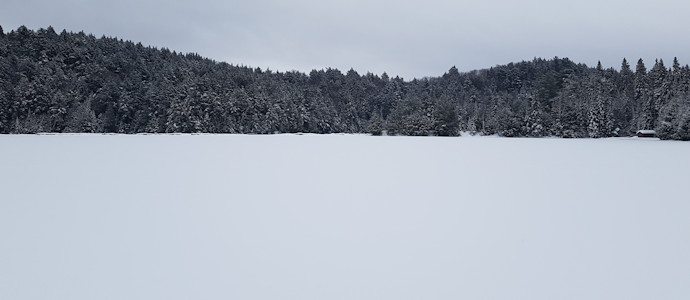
(401, 37)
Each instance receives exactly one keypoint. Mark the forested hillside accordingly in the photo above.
(75, 82)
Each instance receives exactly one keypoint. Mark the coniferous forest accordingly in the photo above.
(76, 82)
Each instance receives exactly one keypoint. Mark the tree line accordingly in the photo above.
(76, 82)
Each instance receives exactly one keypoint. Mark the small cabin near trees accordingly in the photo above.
(646, 133)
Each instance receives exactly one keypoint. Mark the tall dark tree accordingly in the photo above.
(446, 122)
(623, 106)
(641, 94)
(658, 94)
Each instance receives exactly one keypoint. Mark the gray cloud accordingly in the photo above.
(406, 38)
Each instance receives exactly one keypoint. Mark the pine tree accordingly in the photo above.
(640, 68)
(676, 66)
(678, 82)
(376, 124)
(659, 91)
(625, 66)
(599, 118)
(445, 117)
(640, 95)
(534, 122)
(674, 119)
(624, 106)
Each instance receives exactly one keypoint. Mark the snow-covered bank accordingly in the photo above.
(342, 217)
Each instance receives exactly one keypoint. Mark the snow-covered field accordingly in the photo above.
(342, 217)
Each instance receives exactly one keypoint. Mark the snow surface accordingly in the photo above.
(342, 217)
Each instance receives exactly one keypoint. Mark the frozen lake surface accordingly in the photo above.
(342, 217)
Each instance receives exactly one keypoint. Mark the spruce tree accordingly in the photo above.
(676, 66)
(445, 117)
(624, 109)
(640, 95)
(658, 93)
